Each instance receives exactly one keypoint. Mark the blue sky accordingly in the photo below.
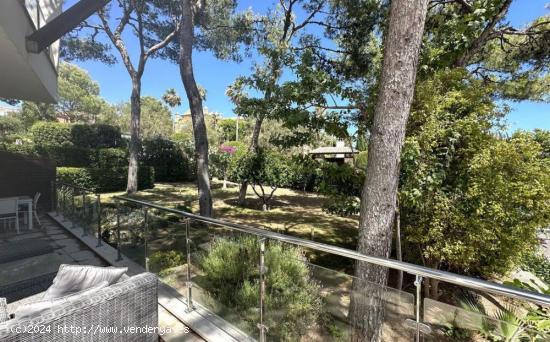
(215, 75)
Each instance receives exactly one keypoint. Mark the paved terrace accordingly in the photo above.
(30, 260)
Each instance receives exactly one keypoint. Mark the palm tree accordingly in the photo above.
(171, 98)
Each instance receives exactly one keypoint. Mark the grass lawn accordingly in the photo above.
(292, 212)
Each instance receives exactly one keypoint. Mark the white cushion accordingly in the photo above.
(4, 316)
(71, 279)
(37, 308)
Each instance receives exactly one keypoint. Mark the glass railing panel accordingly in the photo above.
(166, 246)
(225, 276)
(131, 238)
(480, 321)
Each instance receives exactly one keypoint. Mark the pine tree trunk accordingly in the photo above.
(186, 37)
(378, 200)
(135, 140)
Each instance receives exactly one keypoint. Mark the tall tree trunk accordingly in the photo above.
(186, 37)
(398, 251)
(254, 143)
(378, 200)
(135, 140)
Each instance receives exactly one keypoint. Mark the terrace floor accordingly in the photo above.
(36, 254)
(29, 261)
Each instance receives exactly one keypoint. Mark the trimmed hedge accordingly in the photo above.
(169, 161)
(105, 179)
(96, 136)
(66, 155)
(51, 134)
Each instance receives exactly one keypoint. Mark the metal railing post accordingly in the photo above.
(83, 216)
(53, 197)
(261, 325)
(72, 208)
(119, 255)
(188, 283)
(98, 205)
(418, 285)
(146, 236)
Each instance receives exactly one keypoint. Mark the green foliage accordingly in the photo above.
(105, 179)
(105, 158)
(361, 160)
(76, 175)
(79, 99)
(161, 261)
(264, 170)
(168, 160)
(470, 201)
(341, 179)
(11, 128)
(96, 136)
(538, 265)
(51, 134)
(342, 205)
(65, 155)
(292, 296)
(305, 173)
(156, 118)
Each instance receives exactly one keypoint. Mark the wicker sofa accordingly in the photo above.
(125, 311)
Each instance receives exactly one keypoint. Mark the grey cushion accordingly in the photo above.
(71, 279)
(4, 316)
(38, 307)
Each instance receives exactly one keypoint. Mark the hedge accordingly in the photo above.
(51, 134)
(65, 155)
(96, 136)
(105, 179)
(81, 135)
(169, 161)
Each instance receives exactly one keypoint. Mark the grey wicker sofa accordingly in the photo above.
(125, 311)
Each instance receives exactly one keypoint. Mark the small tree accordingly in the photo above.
(265, 171)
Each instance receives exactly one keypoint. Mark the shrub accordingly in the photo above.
(342, 205)
(341, 179)
(305, 173)
(105, 179)
(538, 265)
(96, 136)
(65, 155)
(161, 261)
(51, 134)
(168, 160)
(292, 296)
(76, 175)
(109, 158)
(361, 160)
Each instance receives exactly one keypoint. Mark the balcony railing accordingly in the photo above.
(185, 251)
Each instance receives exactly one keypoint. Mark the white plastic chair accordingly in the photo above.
(35, 205)
(9, 210)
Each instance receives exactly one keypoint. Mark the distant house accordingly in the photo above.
(183, 121)
(336, 154)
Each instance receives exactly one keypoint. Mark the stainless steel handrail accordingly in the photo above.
(76, 187)
(469, 282)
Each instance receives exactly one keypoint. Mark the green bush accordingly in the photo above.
(109, 158)
(538, 265)
(96, 136)
(292, 296)
(161, 261)
(26, 149)
(65, 155)
(305, 173)
(361, 160)
(76, 175)
(51, 134)
(342, 205)
(105, 179)
(168, 160)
